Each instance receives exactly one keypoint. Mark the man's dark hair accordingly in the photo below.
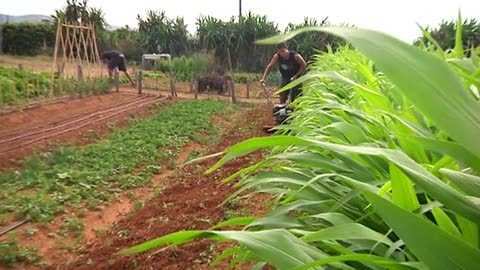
(282, 45)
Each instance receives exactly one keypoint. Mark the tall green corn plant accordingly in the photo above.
(383, 178)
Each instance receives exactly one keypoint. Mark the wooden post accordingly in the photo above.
(226, 88)
(117, 80)
(25, 81)
(139, 82)
(57, 43)
(195, 89)
(80, 73)
(230, 62)
(37, 88)
(14, 90)
(232, 89)
(173, 93)
(249, 82)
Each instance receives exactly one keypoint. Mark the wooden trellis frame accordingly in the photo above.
(76, 52)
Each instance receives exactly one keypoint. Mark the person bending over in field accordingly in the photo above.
(115, 59)
(291, 66)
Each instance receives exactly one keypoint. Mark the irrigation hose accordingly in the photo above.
(154, 100)
(12, 227)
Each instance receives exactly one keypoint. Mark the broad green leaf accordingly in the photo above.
(385, 189)
(293, 180)
(438, 92)
(367, 258)
(403, 193)
(373, 98)
(258, 266)
(465, 65)
(353, 134)
(303, 205)
(444, 162)
(470, 184)
(444, 221)
(314, 160)
(174, 238)
(437, 188)
(433, 246)
(276, 221)
(254, 144)
(239, 221)
(334, 218)
(277, 247)
(305, 191)
(246, 170)
(452, 149)
(225, 254)
(470, 231)
(347, 231)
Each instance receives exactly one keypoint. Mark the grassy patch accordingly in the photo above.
(11, 253)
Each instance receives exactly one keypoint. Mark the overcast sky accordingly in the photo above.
(397, 18)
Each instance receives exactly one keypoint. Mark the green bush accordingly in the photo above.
(202, 64)
(243, 77)
(182, 68)
(153, 75)
(11, 253)
(16, 84)
(19, 85)
(6, 86)
(27, 38)
(89, 86)
(163, 66)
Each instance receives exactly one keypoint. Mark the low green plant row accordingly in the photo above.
(91, 175)
(17, 85)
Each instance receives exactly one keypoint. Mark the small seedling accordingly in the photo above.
(31, 232)
(124, 233)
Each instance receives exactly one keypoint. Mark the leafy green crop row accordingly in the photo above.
(18, 86)
(75, 176)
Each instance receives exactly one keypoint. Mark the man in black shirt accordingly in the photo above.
(115, 59)
(291, 66)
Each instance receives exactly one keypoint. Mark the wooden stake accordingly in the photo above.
(79, 73)
(173, 93)
(232, 88)
(195, 89)
(117, 80)
(57, 41)
(139, 82)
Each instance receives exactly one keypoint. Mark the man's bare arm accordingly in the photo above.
(269, 67)
(303, 66)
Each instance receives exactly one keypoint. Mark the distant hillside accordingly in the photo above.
(23, 18)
